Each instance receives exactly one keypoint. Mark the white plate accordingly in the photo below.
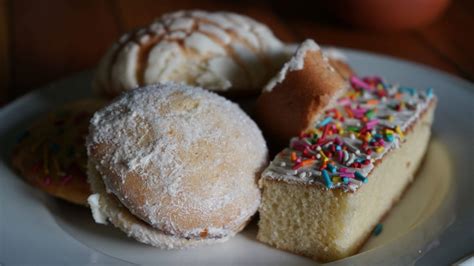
(432, 224)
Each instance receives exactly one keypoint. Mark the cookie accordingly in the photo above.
(51, 155)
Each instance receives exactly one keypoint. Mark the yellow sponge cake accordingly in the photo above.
(325, 193)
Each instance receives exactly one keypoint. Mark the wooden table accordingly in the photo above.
(41, 41)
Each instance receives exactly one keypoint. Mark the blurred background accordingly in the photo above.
(41, 41)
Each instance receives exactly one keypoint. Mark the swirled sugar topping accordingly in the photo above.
(345, 143)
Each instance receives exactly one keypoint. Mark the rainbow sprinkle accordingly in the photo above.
(342, 147)
(378, 229)
(57, 145)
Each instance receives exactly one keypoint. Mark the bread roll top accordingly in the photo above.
(219, 51)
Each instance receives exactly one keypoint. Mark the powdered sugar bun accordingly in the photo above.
(106, 207)
(182, 160)
(219, 51)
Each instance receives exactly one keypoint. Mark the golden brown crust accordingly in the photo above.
(51, 154)
(293, 104)
(342, 67)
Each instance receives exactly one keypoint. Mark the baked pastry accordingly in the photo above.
(293, 99)
(174, 166)
(339, 62)
(219, 51)
(323, 195)
(337, 59)
(51, 154)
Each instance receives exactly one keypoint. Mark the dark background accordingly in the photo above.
(41, 41)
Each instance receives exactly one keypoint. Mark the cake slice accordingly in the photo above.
(323, 195)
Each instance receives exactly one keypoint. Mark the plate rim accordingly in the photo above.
(459, 83)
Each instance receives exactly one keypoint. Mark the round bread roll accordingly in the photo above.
(219, 51)
(175, 166)
(51, 154)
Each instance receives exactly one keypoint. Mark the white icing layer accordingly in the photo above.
(350, 138)
(97, 214)
(295, 63)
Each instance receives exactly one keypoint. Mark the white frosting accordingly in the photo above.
(163, 60)
(386, 127)
(226, 70)
(199, 37)
(218, 18)
(249, 37)
(124, 72)
(144, 39)
(203, 45)
(157, 28)
(184, 24)
(254, 68)
(329, 52)
(97, 214)
(295, 63)
(176, 35)
(102, 73)
(215, 31)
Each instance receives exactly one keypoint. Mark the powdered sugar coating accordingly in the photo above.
(182, 159)
(105, 207)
